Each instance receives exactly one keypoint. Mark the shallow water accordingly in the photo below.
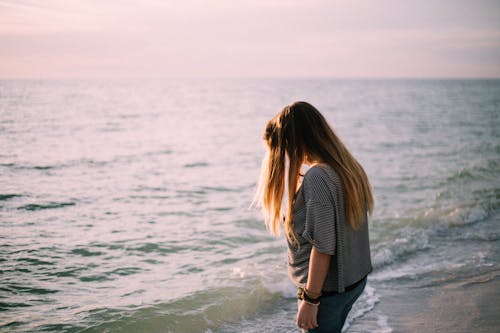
(124, 205)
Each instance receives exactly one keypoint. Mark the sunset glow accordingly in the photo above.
(193, 38)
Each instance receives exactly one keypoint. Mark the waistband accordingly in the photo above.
(331, 293)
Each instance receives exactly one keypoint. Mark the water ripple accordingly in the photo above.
(9, 196)
(50, 205)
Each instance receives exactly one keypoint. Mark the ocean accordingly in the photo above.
(124, 205)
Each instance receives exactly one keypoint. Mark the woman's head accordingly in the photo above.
(300, 134)
(300, 130)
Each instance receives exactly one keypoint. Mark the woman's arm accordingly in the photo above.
(318, 268)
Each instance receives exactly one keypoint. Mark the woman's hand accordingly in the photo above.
(307, 316)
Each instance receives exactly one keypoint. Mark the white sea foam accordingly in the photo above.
(415, 239)
(363, 305)
(463, 216)
(238, 272)
(411, 241)
(285, 287)
(409, 271)
(383, 325)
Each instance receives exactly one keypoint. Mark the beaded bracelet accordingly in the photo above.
(312, 294)
(308, 299)
(303, 296)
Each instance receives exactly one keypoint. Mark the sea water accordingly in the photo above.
(124, 205)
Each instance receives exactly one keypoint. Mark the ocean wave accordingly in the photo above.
(5, 306)
(462, 175)
(68, 272)
(96, 278)
(43, 167)
(184, 213)
(8, 196)
(489, 197)
(282, 287)
(23, 289)
(196, 165)
(433, 273)
(50, 205)
(8, 165)
(203, 191)
(463, 216)
(397, 249)
(86, 252)
(159, 152)
(221, 189)
(85, 161)
(202, 311)
(125, 271)
(28, 166)
(419, 236)
(35, 261)
(55, 166)
(363, 305)
(144, 188)
(485, 170)
(156, 248)
(452, 242)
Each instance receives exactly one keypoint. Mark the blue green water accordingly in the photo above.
(124, 204)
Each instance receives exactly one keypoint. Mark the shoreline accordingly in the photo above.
(467, 306)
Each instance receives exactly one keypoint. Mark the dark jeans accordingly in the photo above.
(334, 309)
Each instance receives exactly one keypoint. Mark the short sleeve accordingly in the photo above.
(319, 226)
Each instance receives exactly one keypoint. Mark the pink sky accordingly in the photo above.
(249, 38)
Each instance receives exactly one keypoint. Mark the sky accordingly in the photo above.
(249, 38)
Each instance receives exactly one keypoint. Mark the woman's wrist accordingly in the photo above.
(312, 294)
(312, 304)
(310, 300)
(302, 295)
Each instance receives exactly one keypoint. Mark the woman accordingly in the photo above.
(324, 218)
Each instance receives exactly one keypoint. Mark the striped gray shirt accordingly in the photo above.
(319, 221)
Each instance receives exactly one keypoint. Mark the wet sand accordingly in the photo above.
(471, 306)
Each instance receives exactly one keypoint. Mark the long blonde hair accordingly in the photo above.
(297, 133)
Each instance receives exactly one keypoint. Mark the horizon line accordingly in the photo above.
(248, 77)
